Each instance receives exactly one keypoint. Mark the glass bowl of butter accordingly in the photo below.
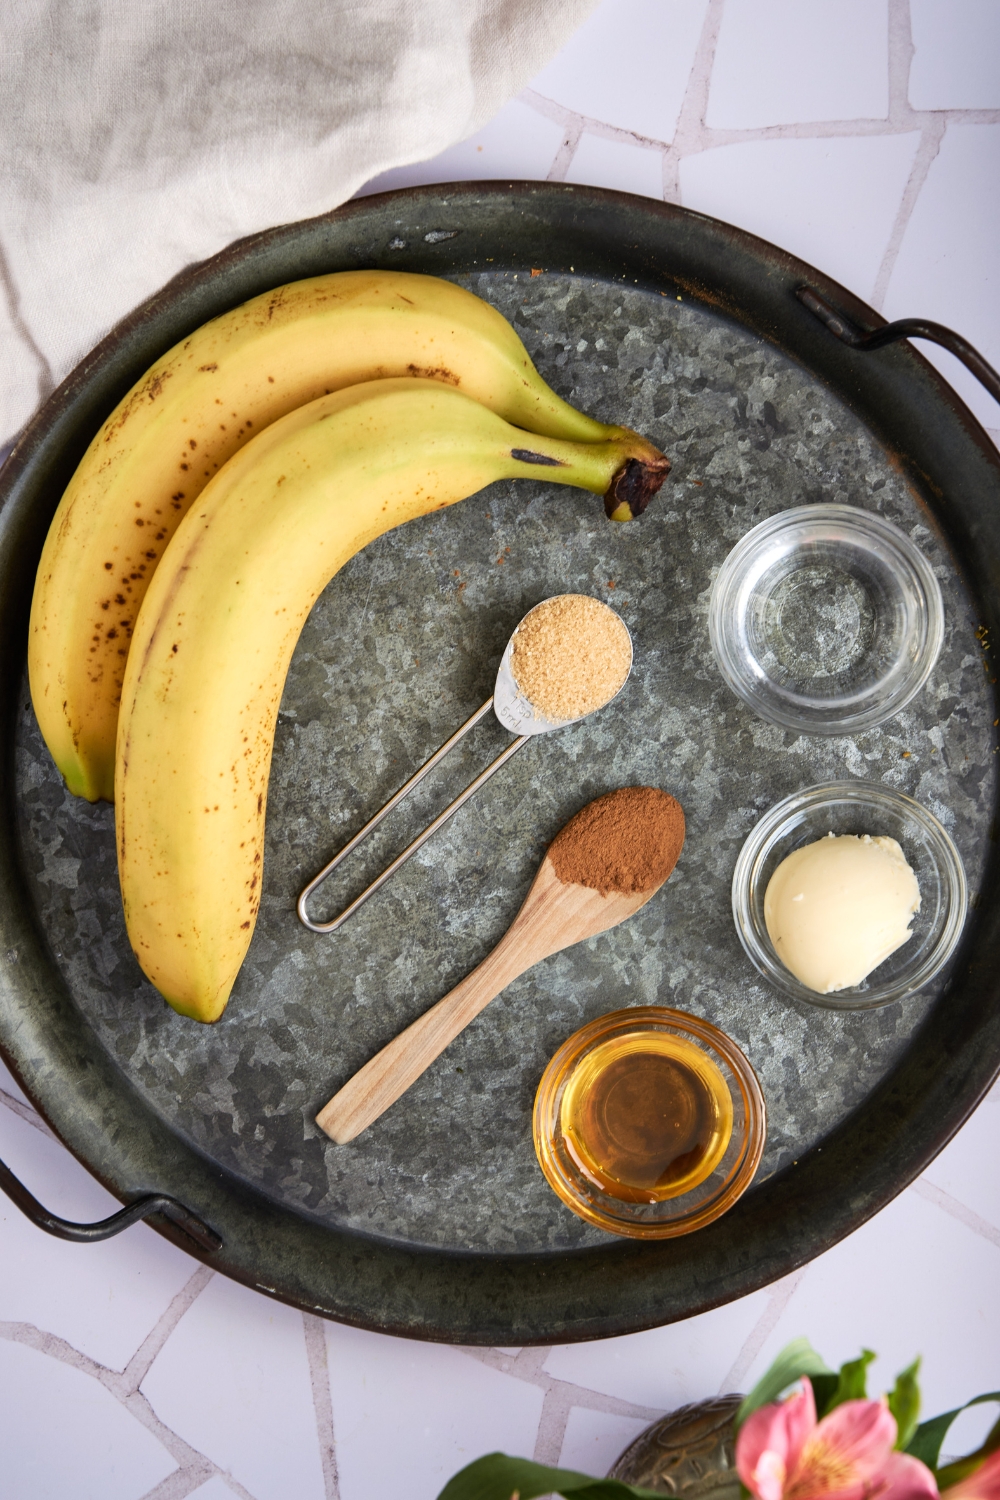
(826, 619)
(849, 895)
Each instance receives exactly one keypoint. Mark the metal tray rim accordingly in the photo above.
(474, 1297)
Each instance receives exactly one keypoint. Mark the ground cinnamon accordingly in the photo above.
(626, 841)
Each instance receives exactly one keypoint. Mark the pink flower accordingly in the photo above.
(783, 1453)
(983, 1484)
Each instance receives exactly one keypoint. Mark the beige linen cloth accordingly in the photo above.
(140, 135)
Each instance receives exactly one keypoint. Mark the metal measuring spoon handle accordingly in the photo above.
(421, 838)
(514, 712)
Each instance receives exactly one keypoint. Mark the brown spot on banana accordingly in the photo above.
(527, 456)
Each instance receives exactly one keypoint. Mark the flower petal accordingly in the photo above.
(800, 1422)
(903, 1478)
(984, 1484)
(777, 1431)
(856, 1436)
(768, 1478)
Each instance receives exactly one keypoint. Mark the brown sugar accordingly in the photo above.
(626, 841)
(570, 655)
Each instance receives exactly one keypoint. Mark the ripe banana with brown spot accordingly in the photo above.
(220, 620)
(190, 413)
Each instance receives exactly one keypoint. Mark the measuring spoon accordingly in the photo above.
(515, 713)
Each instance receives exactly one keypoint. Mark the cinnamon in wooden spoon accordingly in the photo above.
(600, 868)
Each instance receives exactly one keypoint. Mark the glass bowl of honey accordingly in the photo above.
(649, 1122)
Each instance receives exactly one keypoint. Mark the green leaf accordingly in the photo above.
(926, 1442)
(852, 1383)
(499, 1477)
(904, 1403)
(963, 1467)
(796, 1359)
(824, 1390)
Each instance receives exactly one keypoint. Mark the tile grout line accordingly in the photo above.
(178, 1485)
(561, 114)
(690, 132)
(194, 1468)
(956, 1209)
(692, 136)
(46, 379)
(531, 1372)
(188, 1459)
(554, 1414)
(552, 1422)
(28, 1114)
(562, 1395)
(319, 1380)
(778, 1299)
(928, 148)
(563, 159)
(901, 51)
(139, 1365)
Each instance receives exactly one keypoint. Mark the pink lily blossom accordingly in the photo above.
(783, 1453)
(983, 1484)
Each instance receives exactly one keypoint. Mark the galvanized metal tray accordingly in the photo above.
(437, 1223)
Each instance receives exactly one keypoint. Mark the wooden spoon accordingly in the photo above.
(555, 915)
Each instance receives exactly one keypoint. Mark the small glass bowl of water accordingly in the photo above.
(826, 619)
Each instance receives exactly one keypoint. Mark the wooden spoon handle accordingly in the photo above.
(554, 916)
(390, 1072)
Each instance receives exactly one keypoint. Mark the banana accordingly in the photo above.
(220, 620)
(189, 414)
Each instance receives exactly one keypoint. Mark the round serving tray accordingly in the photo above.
(437, 1223)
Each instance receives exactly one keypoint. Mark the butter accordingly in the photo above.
(837, 908)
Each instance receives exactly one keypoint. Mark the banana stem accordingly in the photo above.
(633, 486)
(637, 469)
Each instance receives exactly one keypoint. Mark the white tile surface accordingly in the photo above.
(215, 1489)
(964, 1170)
(19, 370)
(233, 1378)
(665, 1367)
(782, 62)
(594, 1439)
(233, 1381)
(519, 142)
(62, 1434)
(446, 1407)
(913, 1280)
(103, 1299)
(956, 62)
(948, 267)
(628, 65)
(831, 201)
(617, 164)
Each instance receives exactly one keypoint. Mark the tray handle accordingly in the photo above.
(85, 1234)
(904, 328)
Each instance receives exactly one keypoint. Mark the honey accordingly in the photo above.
(646, 1116)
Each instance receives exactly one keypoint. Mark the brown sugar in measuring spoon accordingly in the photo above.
(603, 866)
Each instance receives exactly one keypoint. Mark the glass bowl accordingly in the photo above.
(857, 807)
(698, 1186)
(826, 619)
